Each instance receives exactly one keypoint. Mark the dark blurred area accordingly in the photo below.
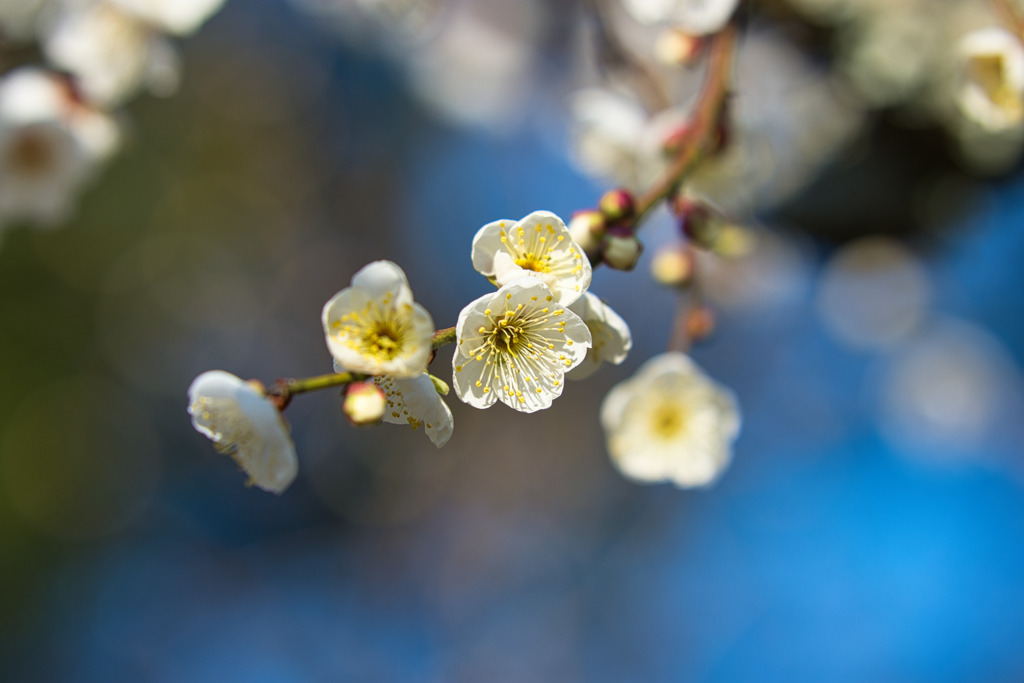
(869, 528)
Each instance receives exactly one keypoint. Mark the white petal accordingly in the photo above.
(487, 243)
(612, 339)
(416, 402)
(239, 418)
(383, 279)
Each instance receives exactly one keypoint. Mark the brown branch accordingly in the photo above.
(706, 116)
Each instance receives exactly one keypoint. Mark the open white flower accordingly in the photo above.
(241, 421)
(669, 422)
(612, 339)
(375, 327)
(697, 17)
(515, 346)
(415, 402)
(992, 90)
(50, 145)
(537, 246)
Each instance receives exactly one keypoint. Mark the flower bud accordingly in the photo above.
(587, 229)
(672, 265)
(364, 403)
(616, 205)
(621, 249)
(677, 47)
(700, 223)
(700, 323)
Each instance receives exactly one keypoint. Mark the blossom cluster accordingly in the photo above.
(515, 345)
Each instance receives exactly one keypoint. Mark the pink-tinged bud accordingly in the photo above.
(700, 323)
(587, 229)
(621, 249)
(672, 266)
(363, 403)
(700, 223)
(616, 205)
(677, 47)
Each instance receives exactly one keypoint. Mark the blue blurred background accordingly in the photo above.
(871, 526)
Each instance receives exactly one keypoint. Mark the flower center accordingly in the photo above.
(531, 261)
(383, 340)
(990, 73)
(31, 154)
(668, 420)
(508, 336)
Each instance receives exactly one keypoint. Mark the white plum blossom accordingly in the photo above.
(375, 327)
(537, 246)
(516, 345)
(50, 146)
(114, 47)
(415, 402)
(611, 336)
(992, 88)
(696, 17)
(669, 422)
(241, 421)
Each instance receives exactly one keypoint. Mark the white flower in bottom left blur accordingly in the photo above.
(242, 422)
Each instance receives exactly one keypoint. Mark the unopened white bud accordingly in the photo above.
(622, 250)
(364, 403)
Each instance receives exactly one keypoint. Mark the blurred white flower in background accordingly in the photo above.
(515, 346)
(537, 246)
(114, 47)
(697, 17)
(873, 293)
(952, 390)
(375, 327)
(670, 422)
(613, 138)
(611, 337)
(242, 422)
(50, 145)
(481, 65)
(992, 87)
(786, 121)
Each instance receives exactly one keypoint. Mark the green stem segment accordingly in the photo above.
(291, 387)
(443, 338)
(282, 390)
